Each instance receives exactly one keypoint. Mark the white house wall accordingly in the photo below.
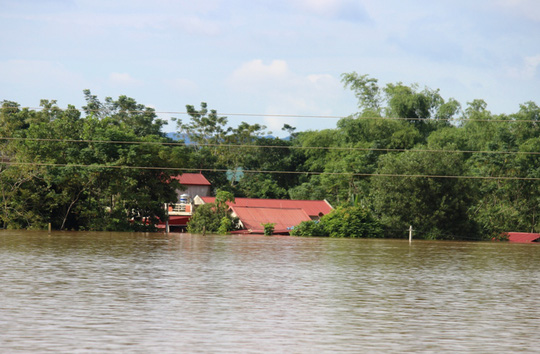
(192, 191)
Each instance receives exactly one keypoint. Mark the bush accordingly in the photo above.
(204, 219)
(309, 228)
(353, 222)
(226, 225)
(268, 228)
(213, 217)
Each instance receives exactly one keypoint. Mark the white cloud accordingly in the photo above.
(321, 79)
(149, 6)
(124, 79)
(256, 71)
(320, 6)
(525, 8)
(468, 49)
(351, 10)
(276, 89)
(181, 85)
(531, 66)
(91, 24)
(528, 69)
(195, 25)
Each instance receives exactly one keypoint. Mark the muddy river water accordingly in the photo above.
(152, 293)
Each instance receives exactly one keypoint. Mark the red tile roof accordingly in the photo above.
(523, 237)
(254, 217)
(192, 179)
(311, 207)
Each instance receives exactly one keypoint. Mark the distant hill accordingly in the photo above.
(173, 136)
(179, 137)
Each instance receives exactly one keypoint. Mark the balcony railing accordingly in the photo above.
(180, 208)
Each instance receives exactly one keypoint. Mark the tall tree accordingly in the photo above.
(436, 206)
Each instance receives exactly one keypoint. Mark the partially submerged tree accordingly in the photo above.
(88, 181)
(213, 217)
(344, 222)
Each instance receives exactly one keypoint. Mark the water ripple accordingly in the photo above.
(138, 293)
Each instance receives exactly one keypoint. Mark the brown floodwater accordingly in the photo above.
(154, 293)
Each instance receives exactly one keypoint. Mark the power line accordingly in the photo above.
(354, 116)
(43, 164)
(252, 146)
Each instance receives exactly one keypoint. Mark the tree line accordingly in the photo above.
(407, 157)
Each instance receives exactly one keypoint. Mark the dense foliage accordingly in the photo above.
(213, 217)
(348, 221)
(80, 173)
(407, 157)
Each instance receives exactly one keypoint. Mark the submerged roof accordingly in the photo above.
(192, 179)
(253, 217)
(523, 237)
(311, 207)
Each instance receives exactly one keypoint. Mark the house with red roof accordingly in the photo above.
(252, 219)
(195, 184)
(180, 212)
(285, 214)
(252, 213)
(523, 237)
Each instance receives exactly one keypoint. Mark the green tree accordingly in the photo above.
(125, 112)
(367, 92)
(269, 154)
(90, 183)
(424, 190)
(350, 221)
(219, 146)
(309, 228)
(213, 217)
(504, 144)
(268, 228)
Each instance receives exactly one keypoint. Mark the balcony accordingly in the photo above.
(180, 208)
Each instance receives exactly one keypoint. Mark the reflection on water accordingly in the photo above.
(69, 292)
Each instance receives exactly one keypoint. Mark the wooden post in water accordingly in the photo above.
(167, 216)
(410, 233)
(50, 227)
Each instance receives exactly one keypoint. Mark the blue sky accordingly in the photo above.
(267, 56)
